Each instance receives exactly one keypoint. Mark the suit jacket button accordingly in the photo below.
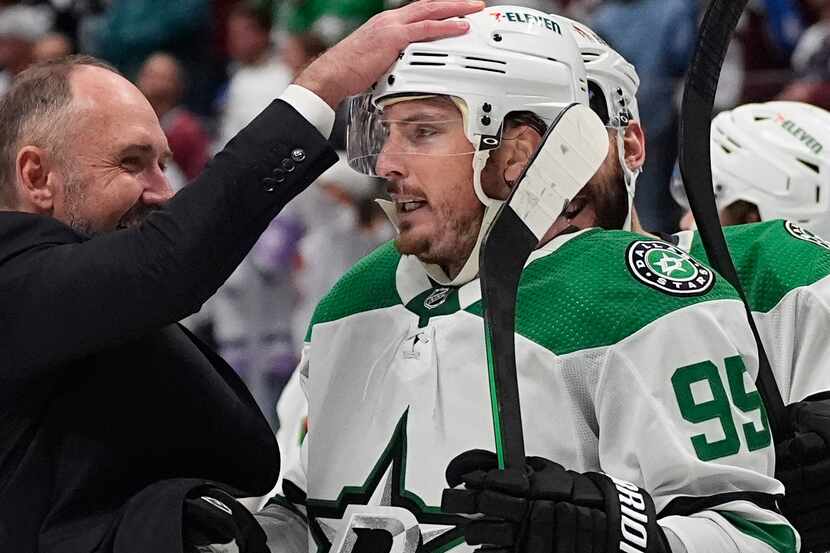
(269, 184)
(288, 165)
(298, 155)
(278, 175)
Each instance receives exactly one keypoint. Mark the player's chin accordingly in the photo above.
(412, 240)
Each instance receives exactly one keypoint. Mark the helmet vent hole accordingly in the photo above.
(485, 60)
(431, 63)
(811, 166)
(430, 54)
(725, 149)
(490, 69)
(735, 144)
(818, 194)
(761, 118)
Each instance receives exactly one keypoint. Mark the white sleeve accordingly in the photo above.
(284, 518)
(680, 417)
(295, 461)
(292, 413)
(795, 335)
(312, 107)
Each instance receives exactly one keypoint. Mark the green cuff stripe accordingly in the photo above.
(780, 537)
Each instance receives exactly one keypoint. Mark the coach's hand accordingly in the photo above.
(803, 466)
(356, 62)
(543, 508)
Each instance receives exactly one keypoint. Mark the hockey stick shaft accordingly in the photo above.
(716, 30)
(571, 152)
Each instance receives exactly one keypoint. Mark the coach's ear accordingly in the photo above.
(635, 146)
(35, 182)
(506, 163)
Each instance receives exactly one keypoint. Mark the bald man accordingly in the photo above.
(119, 431)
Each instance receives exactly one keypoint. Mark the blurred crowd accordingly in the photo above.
(209, 66)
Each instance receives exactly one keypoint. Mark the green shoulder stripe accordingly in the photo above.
(772, 259)
(779, 537)
(584, 295)
(369, 285)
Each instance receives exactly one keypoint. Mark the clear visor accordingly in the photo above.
(405, 128)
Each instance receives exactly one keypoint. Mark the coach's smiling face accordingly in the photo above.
(109, 171)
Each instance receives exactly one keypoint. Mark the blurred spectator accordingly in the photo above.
(20, 28)
(342, 224)
(259, 76)
(250, 336)
(298, 50)
(162, 81)
(671, 28)
(134, 29)
(330, 20)
(52, 46)
(811, 62)
(785, 23)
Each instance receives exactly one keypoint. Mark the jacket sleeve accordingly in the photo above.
(65, 298)
(686, 423)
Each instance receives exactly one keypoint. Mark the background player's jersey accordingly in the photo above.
(785, 271)
(633, 359)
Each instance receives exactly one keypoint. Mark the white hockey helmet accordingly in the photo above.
(612, 81)
(612, 86)
(775, 155)
(513, 59)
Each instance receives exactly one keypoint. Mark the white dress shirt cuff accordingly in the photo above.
(310, 106)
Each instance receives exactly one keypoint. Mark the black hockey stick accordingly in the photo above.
(717, 27)
(571, 151)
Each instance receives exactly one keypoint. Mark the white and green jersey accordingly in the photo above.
(785, 272)
(633, 359)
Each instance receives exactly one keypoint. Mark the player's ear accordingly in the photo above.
(635, 145)
(524, 140)
(506, 163)
(35, 181)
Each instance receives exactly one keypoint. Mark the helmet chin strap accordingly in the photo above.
(629, 175)
(491, 207)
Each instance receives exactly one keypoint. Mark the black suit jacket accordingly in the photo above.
(109, 411)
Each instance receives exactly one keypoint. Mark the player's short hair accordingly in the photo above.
(35, 111)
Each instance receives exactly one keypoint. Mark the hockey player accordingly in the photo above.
(769, 164)
(395, 367)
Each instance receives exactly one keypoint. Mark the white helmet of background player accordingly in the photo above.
(612, 86)
(512, 59)
(775, 156)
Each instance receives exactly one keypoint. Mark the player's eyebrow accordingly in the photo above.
(421, 117)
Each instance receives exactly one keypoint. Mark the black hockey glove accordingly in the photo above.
(213, 518)
(544, 508)
(803, 466)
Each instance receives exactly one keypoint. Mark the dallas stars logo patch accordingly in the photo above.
(381, 515)
(668, 269)
(806, 235)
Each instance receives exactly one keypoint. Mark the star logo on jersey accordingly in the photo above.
(668, 269)
(381, 515)
(806, 235)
